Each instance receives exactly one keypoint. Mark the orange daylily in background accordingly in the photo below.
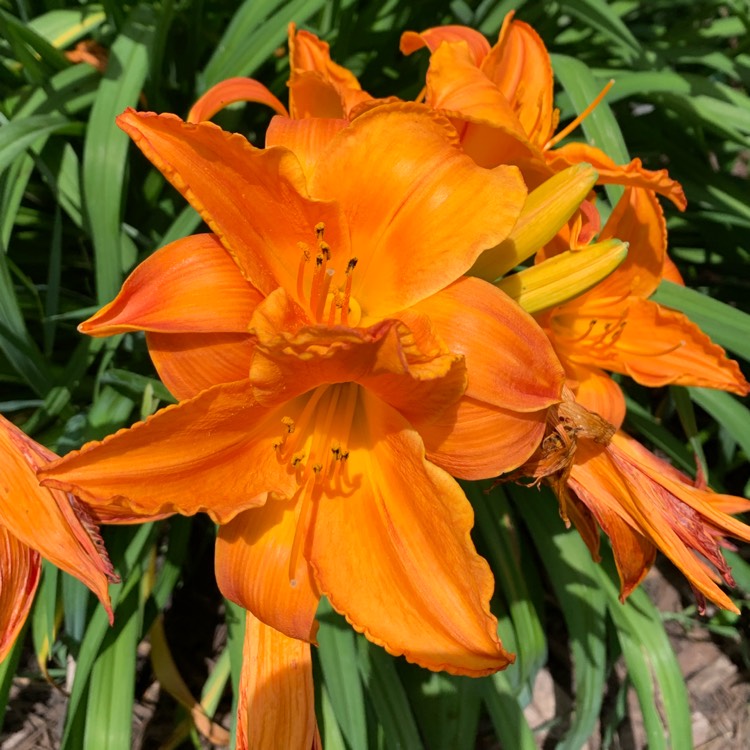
(37, 522)
(615, 327)
(334, 366)
(605, 478)
(318, 87)
(501, 100)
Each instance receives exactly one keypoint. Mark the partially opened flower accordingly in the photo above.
(501, 99)
(334, 367)
(615, 327)
(605, 478)
(37, 522)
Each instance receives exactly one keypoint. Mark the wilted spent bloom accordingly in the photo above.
(35, 523)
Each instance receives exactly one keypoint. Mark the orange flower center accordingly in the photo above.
(315, 448)
(325, 300)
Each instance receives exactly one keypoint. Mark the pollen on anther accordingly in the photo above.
(351, 265)
(288, 422)
(325, 250)
(298, 458)
(320, 229)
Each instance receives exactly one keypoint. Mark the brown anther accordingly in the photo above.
(351, 265)
(325, 250)
(318, 260)
(317, 468)
(288, 422)
(298, 458)
(320, 229)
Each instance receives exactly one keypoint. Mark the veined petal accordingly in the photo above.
(233, 90)
(519, 65)
(632, 174)
(184, 459)
(409, 225)
(188, 363)
(404, 364)
(433, 38)
(624, 479)
(276, 697)
(252, 199)
(307, 138)
(191, 285)
(454, 83)
(476, 440)
(252, 568)
(509, 360)
(654, 345)
(20, 567)
(638, 220)
(308, 54)
(596, 391)
(53, 523)
(313, 96)
(396, 558)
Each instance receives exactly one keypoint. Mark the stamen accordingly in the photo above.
(301, 270)
(323, 294)
(586, 112)
(318, 273)
(309, 494)
(350, 266)
(320, 229)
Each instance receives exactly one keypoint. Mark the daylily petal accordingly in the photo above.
(20, 567)
(308, 54)
(230, 91)
(184, 459)
(626, 480)
(670, 272)
(433, 38)
(252, 199)
(634, 554)
(276, 697)
(395, 556)
(188, 363)
(654, 345)
(414, 373)
(412, 235)
(596, 391)
(252, 568)
(306, 138)
(638, 220)
(53, 523)
(520, 67)
(455, 83)
(191, 285)
(509, 360)
(632, 174)
(313, 96)
(476, 440)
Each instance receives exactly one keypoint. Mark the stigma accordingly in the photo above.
(328, 303)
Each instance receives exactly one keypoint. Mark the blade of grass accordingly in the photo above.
(337, 654)
(106, 146)
(730, 413)
(572, 572)
(388, 696)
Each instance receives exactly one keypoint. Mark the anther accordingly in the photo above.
(298, 458)
(288, 422)
(325, 250)
(320, 229)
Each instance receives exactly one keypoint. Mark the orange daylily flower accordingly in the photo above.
(606, 478)
(36, 522)
(615, 327)
(501, 100)
(318, 87)
(334, 366)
